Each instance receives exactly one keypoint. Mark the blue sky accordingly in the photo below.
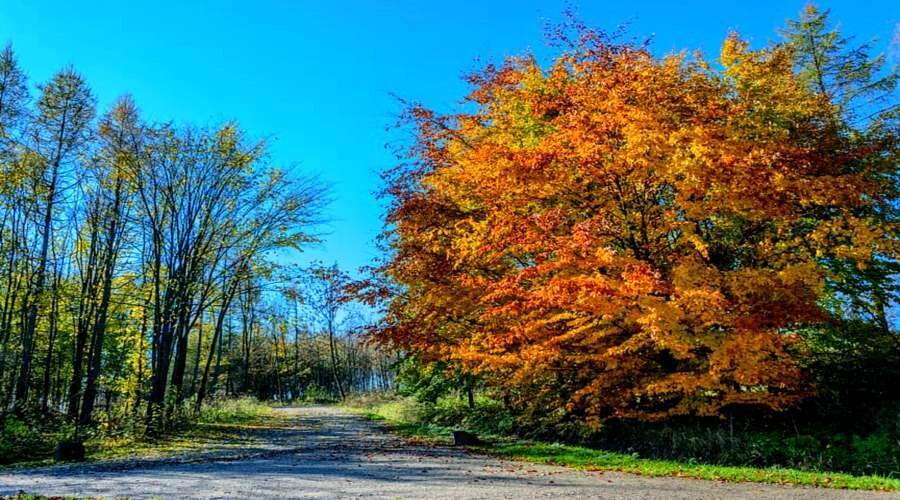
(316, 78)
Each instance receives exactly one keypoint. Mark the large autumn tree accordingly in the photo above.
(623, 235)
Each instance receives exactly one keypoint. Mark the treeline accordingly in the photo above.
(309, 344)
(139, 265)
(619, 237)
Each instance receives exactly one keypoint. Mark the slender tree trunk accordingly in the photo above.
(30, 326)
(85, 315)
(196, 373)
(48, 360)
(216, 344)
(179, 364)
(139, 383)
(334, 364)
(9, 300)
(162, 339)
(218, 369)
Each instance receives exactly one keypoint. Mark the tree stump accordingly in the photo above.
(69, 451)
(463, 438)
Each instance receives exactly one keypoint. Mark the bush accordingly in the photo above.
(24, 439)
(319, 395)
(487, 417)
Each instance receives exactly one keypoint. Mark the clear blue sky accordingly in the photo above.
(316, 77)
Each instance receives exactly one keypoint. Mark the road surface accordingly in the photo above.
(324, 452)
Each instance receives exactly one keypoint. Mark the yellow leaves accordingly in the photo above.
(733, 51)
(698, 243)
(663, 324)
(806, 274)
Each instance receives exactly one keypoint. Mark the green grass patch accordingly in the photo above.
(401, 416)
(234, 411)
(594, 459)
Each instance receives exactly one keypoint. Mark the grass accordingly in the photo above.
(218, 422)
(234, 411)
(400, 416)
(593, 459)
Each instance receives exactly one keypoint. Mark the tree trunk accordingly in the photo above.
(85, 315)
(216, 344)
(334, 366)
(108, 264)
(196, 373)
(30, 326)
(48, 360)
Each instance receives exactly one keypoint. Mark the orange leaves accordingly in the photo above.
(626, 236)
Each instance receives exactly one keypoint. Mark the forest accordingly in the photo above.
(143, 271)
(682, 256)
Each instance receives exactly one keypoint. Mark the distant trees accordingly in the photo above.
(132, 254)
(618, 235)
(324, 293)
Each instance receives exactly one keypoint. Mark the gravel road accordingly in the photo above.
(323, 452)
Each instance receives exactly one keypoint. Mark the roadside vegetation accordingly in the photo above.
(749, 458)
(220, 420)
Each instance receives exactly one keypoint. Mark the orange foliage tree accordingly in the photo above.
(624, 236)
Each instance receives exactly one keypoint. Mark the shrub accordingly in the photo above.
(487, 417)
(19, 440)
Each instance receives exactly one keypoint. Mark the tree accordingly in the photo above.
(847, 78)
(117, 239)
(859, 89)
(13, 96)
(854, 356)
(121, 138)
(326, 298)
(61, 127)
(625, 236)
(13, 177)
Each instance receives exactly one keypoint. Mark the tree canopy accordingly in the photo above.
(622, 235)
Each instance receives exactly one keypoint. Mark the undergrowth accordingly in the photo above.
(30, 440)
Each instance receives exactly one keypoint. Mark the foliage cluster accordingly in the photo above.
(618, 236)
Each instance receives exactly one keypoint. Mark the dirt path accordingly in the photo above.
(322, 452)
